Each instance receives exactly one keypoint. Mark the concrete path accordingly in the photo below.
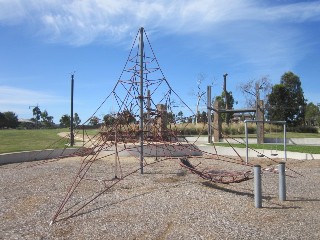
(227, 151)
(202, 144)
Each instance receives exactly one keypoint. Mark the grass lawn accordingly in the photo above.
(290, 148)
(25, 140)
(280, 135)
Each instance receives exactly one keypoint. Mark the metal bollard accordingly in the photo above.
(282, 182)
(257, 186)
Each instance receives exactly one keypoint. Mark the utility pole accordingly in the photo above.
(141, 100)
(209, 114)
(71, 120)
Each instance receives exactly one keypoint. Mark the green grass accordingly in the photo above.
(26, 140)
(90, 132)
(279, 147)
(280, 135)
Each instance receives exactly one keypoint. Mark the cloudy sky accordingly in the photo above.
(43, 41)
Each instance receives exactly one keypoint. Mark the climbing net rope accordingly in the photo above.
(159, 139)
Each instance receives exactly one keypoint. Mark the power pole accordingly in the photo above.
(209, 114)
(71, 120)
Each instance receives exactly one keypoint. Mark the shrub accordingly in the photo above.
(303, 129)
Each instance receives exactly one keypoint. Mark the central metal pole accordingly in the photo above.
(141, 100)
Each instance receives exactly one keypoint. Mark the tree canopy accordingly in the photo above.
(230, 100)
(9, 120)
(47, 120)
(254, 89)
(312, 114)
(286, 100)
(65, 120)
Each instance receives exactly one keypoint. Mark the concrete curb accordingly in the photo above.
(187, 149)
(26, 156)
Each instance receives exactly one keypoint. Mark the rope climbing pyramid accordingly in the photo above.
(140, 126)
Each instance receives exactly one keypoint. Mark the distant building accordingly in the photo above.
(26, 123)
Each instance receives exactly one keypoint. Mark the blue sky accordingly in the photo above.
(43, 41)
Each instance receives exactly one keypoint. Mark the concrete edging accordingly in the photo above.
(26, 156)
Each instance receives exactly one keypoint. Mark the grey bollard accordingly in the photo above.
(257, 186)
(282, 182)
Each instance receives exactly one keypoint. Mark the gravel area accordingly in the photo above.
(166, 202)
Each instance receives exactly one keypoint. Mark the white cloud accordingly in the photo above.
(19, 100)
(86, 21)
(260, 33)
(12, 12)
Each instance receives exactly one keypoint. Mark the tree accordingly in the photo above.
(76, 120)
(2, 120)
(108, 119)
(126, 117)
(171, 117)
(94, 121)
(277, 101)
(202, 118)
(36, 114)
(226, 117)
(46, 119)
(286, 101)
(65, 121)
(312, 115)
(254, 89)
(180, 117)
(189, 119)
(10, 119)
(199, 93)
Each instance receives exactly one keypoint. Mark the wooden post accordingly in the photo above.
(260, 125)
(217, 124)
(162, 120)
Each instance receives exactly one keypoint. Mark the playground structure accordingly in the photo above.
(140, 128)
(217, 123)
(270, 122)
(259, 120)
